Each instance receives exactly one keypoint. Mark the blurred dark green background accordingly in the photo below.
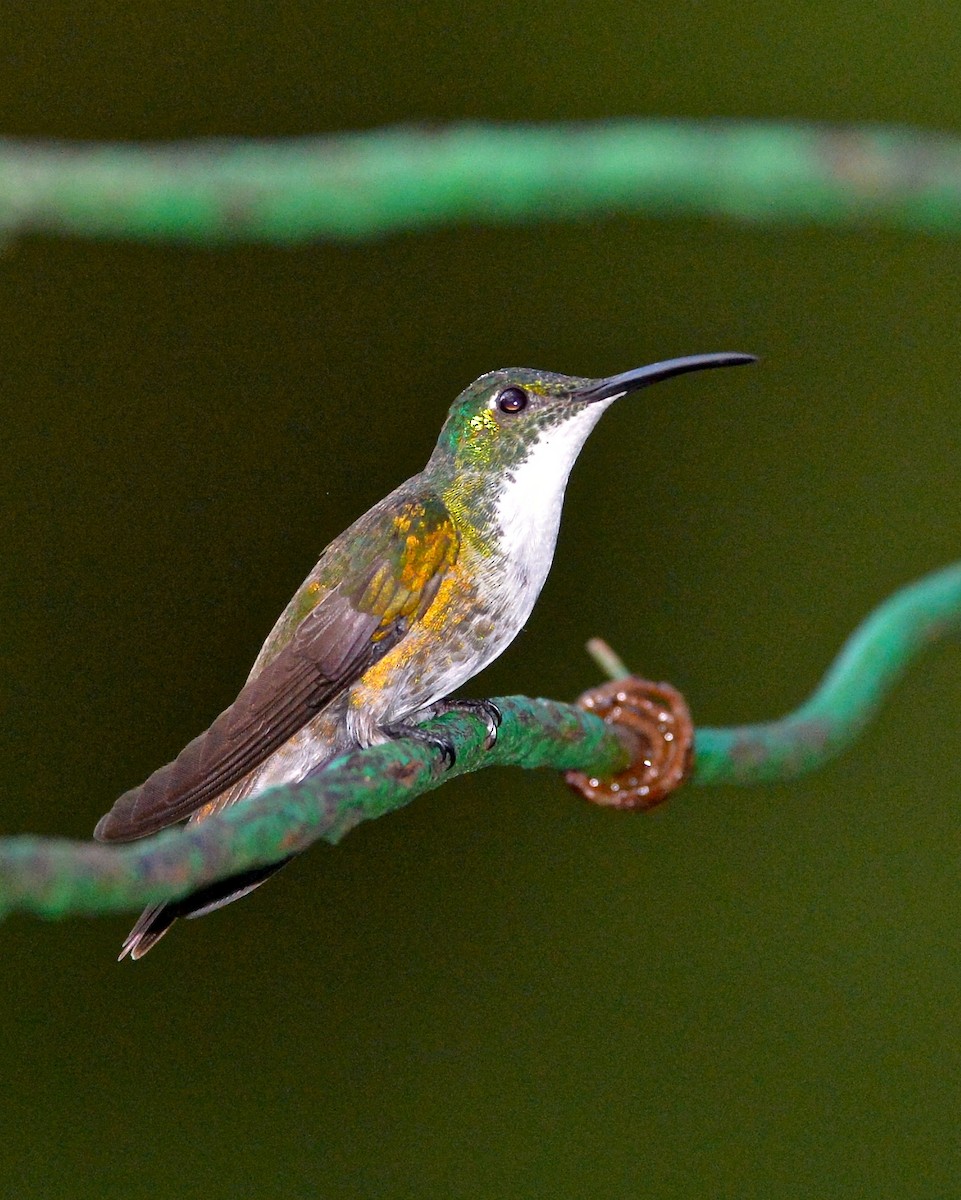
(499, 992)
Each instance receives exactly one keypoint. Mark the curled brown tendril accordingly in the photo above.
(654, 721)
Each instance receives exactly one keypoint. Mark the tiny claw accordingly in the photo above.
(492, 717)
(655, 718)
(436, 741)
(487, 710)
(446, 749)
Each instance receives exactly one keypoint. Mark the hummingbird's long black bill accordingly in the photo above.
(641, 377)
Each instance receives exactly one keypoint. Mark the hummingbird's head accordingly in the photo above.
(520, 416)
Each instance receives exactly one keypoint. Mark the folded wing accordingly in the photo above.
(369, 587)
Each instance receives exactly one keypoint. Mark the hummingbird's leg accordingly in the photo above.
(487, 710)
(426, 737)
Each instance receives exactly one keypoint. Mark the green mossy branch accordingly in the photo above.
(359, 185)
(55, 878)
(869, 665)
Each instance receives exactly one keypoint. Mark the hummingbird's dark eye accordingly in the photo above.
(512, 400)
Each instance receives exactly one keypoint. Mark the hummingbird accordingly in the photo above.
(416, 597)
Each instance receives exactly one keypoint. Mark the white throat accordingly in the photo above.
(532, 496)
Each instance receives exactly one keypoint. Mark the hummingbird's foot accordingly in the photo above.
(487, 710)
(426, 737)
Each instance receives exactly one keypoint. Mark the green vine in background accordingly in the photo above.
(55, 878)
(358, 185)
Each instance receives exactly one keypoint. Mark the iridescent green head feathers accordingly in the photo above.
(496, 421)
